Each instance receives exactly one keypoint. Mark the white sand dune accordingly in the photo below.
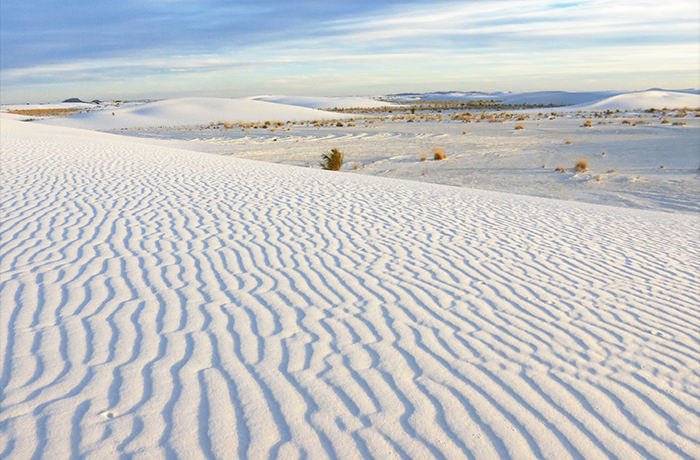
(61, 105)
(556, 97)
(191, 111)
(652, 99)
(583, 100)
(443, 96)
(161, 303)
(531, 97)
(320, 102)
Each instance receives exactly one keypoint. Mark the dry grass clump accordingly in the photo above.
(588, 124)
(519, 127)
(423, 158)
(678, 123)
(439, 154)
(664, 121)
(46, 112)
(611, 171)
(332, 161)
(581, 166)
(559, 169)
(567, 141)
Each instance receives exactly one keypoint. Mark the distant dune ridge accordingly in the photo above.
(202, 110)
(592, 100)
(653, 99)
(192, 111)
(317, 102)
(163, 303)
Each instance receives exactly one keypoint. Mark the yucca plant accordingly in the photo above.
(332, 161)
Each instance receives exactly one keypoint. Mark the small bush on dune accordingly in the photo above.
(559, 169)
(332, 161)
(519, 127)
(439, 154)
(423, 158)
(581, 166)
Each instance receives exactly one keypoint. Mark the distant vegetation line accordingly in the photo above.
(420, 106)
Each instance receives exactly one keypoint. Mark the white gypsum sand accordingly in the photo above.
(189, 111)
(636, 158)
(320, 102)
(162, 303)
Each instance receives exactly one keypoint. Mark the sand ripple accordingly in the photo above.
(159, 303)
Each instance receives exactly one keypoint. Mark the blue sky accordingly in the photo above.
(53, 49)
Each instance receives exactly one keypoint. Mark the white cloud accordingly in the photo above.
(501, 42)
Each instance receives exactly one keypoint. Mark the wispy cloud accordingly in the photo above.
(212, 45)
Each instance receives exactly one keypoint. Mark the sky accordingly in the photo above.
(106, 49)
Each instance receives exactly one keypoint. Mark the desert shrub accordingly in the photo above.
(567, 141)
(519, 127)
(664, 121)
(559, 169)
(581, 166)
(611, 171)
(423, 158)
(588, 124)
(439, 154)
(332, 161)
